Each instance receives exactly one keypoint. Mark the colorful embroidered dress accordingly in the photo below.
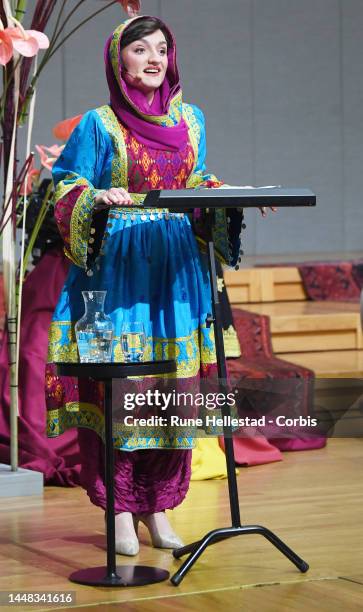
(147, 260)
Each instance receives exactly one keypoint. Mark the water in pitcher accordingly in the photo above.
(94, 346)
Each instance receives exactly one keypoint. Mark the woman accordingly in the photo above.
(147, 260)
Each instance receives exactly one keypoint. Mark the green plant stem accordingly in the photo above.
(61, 10)
(82, 23)
(53, 37)
(57, 34)
(21, 9)
(50, 54)
(7, 82)
(39, 222)
(58, 30)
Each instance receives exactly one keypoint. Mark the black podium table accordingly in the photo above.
(208, 200)
(112, 575)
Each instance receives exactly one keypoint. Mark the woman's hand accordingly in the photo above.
(113, 197)
(263, 210)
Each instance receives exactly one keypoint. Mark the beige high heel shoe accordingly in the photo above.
(162, 535)
(126, 542)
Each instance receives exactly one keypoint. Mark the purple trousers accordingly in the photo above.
(146, 481)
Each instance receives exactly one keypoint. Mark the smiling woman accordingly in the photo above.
(147, 260)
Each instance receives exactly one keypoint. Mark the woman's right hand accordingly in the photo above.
(113, 197)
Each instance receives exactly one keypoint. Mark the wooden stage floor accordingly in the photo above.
(313, 500)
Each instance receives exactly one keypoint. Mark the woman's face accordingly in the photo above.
(145, 62)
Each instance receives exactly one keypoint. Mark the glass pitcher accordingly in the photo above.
(94, 331)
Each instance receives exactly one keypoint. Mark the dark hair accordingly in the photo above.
(144, 27)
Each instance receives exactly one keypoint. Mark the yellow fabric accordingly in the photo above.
(208, 460)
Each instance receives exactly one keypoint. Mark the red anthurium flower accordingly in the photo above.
(46, 160)
(25, 46)
(27, 42)
(41, 38)
(6, 47)
(64, 129)
(132, 7)
(31, 178)
(55, 149)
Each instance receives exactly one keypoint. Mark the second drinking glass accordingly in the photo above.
(133, 341)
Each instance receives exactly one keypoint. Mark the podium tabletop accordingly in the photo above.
(188, 199)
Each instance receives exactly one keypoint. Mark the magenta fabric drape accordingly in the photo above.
(58, 458)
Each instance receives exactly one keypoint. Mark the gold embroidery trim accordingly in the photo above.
(124, 437)
(81, 221)
(189, 351)
(119, 170)
(194, 137)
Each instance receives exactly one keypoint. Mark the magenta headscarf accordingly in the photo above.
(161, 125)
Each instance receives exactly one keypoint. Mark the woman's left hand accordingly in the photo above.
(263, 210)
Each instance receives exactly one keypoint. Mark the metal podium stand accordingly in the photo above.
(112, 575)
(208, 200)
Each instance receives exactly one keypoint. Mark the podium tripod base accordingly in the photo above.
(217, 535)
(125, 576)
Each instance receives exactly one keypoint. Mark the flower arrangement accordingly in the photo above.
(24, 53)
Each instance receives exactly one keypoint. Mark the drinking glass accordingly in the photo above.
(133, 341)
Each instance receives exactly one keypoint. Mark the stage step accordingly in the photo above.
(330, 364)
(249, 285)
(298, 327)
